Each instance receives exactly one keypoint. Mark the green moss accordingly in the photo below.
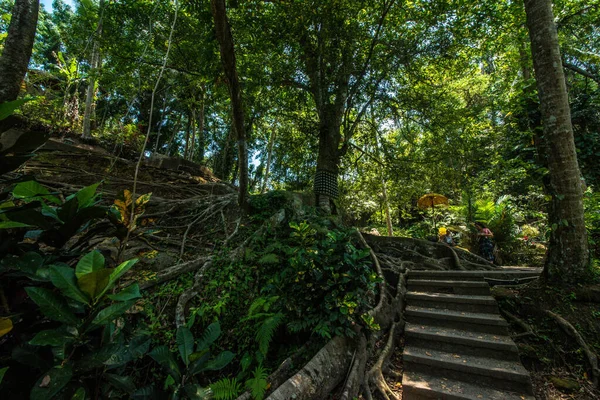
(564, 384)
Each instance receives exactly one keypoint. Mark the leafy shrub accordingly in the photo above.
(54, 222)
(591, 203)
(321, 280)
(195, 358)
(82, 333)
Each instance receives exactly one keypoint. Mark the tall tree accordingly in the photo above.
(568, 255)
(225, 39)
(17, 48)
(95, 62)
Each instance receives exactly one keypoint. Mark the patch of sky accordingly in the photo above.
(48, 4)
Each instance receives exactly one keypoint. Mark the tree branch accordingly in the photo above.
(582, 71)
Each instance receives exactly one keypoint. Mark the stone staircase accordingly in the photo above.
(457, 345)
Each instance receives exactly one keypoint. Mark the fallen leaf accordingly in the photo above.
(6, 326)
(428, 353)
(45, 381)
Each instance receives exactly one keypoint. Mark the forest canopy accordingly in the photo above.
(238, 148)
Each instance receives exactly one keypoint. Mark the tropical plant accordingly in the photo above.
(34, 206)
(195, 358)
(83, 333)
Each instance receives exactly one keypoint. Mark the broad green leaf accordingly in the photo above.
(2, 372)
(51, 305)
(110, 313)
(131, 292)
(28, 355)
(64, 279)
(51, 337)
(121, 270)
(50, 212)
(79, 394)
(139, 346)
(27, 214)
(122, 383)
(67, 211)
(116, 273)
(147, 392)
(95, 282)
(219, 362)
(185, 343)
(119, 358)
(211, 333)
(33, 190)
(12, 224)
(96, 359)
(51, 383)
(6, 326)
(85, 196)
(92, 261)
(9, 107)
(198, 362)
(163, 356)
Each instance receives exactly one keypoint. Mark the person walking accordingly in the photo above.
(486, 244)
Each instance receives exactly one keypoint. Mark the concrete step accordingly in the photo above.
(468, 321)
(497, 374)
(479, 304)
(461, 342)
(500, 273)
(450, 287)
(421, 386)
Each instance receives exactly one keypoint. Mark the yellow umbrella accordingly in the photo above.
(431, 200)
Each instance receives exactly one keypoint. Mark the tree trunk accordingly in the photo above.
(386, 202)
(17, 48)
(225, 39)
(328, 160)
(187, 136)
(91, 89)
(190, 153)
(269, 155)
(568, 255)
(201, 141)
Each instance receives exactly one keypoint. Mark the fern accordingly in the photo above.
(226, 389)
(269, 259)
(258, 383)
(265, 332)
(257, 304)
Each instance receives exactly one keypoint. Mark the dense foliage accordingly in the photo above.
(416, 97)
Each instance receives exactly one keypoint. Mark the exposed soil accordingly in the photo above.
(559, 367)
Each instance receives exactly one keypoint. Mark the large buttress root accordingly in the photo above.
(591, 356)
(321, 375)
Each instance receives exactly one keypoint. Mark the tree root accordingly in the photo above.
(570, 330)
(357, 371)
(375, 374)
(522, 324)
(175, 271)
(190, 293)
(321, 375)
(382, 288)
